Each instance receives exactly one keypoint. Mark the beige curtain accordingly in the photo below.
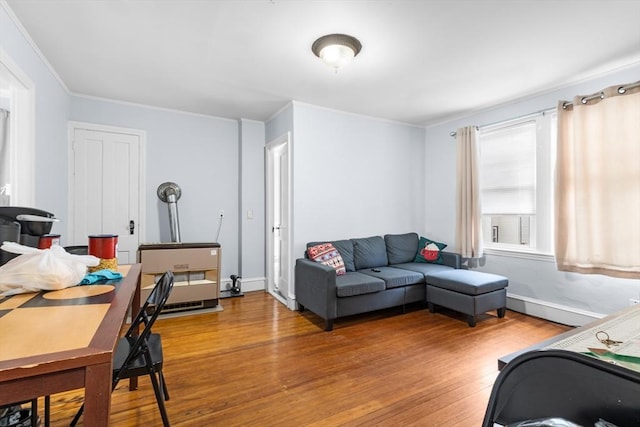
(469, 215)
(598, 184)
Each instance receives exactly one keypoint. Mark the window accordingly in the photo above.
(516, 183)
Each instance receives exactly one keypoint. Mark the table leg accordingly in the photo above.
(97, 395)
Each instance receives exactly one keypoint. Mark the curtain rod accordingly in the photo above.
(546, 110)
(621, 90)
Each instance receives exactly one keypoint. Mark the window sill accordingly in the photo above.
(531, 255)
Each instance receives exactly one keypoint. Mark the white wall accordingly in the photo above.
(354, 176)
(252, 203)
(199, 153)
(552, 293)
(280, 123)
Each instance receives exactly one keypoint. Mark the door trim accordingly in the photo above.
(289, 299)
(142, 135)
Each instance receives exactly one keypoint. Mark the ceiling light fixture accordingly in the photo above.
(336, 50)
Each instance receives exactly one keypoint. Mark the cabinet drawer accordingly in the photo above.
(177, 260)
(207, 289)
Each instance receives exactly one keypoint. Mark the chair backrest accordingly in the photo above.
(157, 298)
(77, 250)
(564, 384)
(147, 316)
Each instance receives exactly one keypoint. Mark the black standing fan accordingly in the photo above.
(234, 290)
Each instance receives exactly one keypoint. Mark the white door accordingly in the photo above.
(105, 187)
(279, 269)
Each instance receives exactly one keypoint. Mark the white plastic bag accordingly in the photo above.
(41, 269)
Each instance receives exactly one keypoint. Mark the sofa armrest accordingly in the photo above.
(451, 259)
(315, 286)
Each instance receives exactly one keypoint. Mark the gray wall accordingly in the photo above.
(536, 280)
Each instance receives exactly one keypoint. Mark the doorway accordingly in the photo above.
(18, 153)
(278, 179)
(106, 188)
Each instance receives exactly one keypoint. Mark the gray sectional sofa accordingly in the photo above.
(380, 273)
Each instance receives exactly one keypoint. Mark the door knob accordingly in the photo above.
(132, 226)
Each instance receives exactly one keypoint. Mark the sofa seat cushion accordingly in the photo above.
(354, 283)
(369, 252)
(394, 277)
(426, 269)
(468, 282)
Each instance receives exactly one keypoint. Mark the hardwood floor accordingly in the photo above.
(259, 364)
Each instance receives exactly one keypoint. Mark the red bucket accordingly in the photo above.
(103, 246)
(48, 240)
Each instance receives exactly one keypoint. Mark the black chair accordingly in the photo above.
(137, 355)
(566, 385)
(77, 250)
(32, 411)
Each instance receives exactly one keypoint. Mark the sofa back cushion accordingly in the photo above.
(401, 248)
(344, 247)
(369, 252)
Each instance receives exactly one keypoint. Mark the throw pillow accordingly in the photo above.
(429, 251)
(327, 254)
(345, 249)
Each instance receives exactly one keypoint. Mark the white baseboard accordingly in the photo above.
(551, 311)
(246, 284)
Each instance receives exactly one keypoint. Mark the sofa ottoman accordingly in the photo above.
(468, 292)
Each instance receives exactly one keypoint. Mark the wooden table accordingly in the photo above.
(590, 327)
(57, 341)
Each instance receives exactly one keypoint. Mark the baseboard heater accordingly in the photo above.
(193, 305)
(196, 267)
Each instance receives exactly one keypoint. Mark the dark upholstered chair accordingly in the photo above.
(565, 385)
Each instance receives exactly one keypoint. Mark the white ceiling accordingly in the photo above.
(422, 62)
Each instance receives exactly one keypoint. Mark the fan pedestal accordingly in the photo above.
(234, 291)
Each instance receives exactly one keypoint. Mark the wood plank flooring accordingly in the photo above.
(256, 363)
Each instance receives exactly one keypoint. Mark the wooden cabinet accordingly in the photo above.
(196, 267)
